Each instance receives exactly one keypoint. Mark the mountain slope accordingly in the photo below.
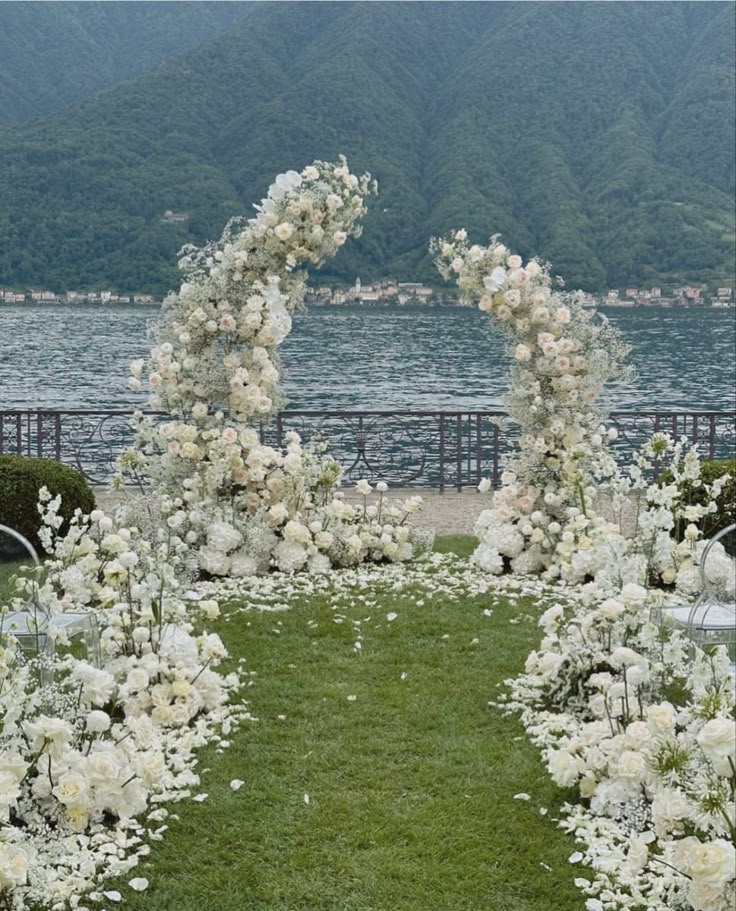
(599, 136)
(54, 54)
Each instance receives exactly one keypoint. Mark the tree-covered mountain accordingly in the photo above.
(599, 136)
(53, 54)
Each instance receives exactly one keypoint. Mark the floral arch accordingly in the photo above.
(241, 506)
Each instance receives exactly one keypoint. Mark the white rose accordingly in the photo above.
(630, 765)
(717, 739)
(661, 718)
(610, 609)
(14, 862)
(71, 788)
(711, 863)
(283, 231)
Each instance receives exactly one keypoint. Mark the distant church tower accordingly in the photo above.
(357, 286)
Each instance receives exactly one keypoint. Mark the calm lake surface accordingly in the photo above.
(76, 357)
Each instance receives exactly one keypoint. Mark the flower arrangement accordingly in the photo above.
(239, 505)
(638, 720)
(643, 727)
(88, 754)
(562, 357)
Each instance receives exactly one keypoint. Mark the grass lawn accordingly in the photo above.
(409, 786)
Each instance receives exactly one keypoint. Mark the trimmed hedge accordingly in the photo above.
(20, 480)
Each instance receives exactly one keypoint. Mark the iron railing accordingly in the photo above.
(440, 449)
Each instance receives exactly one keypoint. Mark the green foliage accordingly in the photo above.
(54, 54)
(726, 513)
(20, 480)
(597, 136)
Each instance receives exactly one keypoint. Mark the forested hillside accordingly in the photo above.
(53, 54)
(599, 136)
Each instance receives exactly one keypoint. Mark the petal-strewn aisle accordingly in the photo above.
(376, 778)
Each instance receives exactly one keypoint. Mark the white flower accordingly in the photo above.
(711, 863)
(98, 722)
(283, 231)
(71, 788)
(14, 865)
(137, 679)
(363, 487)
(495, 281)
(717, 739)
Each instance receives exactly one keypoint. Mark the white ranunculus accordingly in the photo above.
(98, 722)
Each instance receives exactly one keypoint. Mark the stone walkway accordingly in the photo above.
(448, 513)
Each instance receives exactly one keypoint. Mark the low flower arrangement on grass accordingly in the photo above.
(88, 754)
(642, 726)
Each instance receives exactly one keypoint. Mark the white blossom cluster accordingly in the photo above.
(240, 505)
(288, 516)
(88, 753)
(217, 340)
(563, 356)
(545, 518)
(645, 732)
(663, 543)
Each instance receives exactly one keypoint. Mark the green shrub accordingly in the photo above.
(20, 480)
(726, 513)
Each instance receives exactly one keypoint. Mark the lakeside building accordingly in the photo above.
(390, 291)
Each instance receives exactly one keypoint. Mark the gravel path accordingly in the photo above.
(448, 513)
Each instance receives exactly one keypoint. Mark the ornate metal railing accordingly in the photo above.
(440, 449)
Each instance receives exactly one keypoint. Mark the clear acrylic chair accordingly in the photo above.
(711, 619)
(37, 631)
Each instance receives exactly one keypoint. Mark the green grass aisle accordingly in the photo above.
(376, 779)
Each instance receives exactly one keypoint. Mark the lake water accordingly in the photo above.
(76, 357)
